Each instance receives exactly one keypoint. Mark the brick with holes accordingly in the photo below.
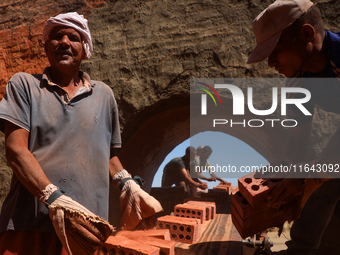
(191, 211)
(123, 245)
(256, 190)
(211, 208)
(244, 208)
(186, 230)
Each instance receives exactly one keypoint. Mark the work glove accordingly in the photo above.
(79, 230)
(135, 203)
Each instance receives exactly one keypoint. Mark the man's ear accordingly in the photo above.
(84, 55)
(308, 32)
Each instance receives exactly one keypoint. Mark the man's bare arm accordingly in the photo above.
(21, 160)
(191, 182)
(201, 176)
(115, 164)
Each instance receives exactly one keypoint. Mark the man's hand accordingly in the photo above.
(79, 230)
(82, 230)
(211, 179)
(203, 185)
(135, 203)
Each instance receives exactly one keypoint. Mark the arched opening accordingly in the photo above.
(227, 151)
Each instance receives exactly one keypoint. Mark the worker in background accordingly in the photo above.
(290, 34)
(176, 172)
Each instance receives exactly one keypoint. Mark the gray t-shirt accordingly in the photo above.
(200, 168)
(172, 173)
(70, 140)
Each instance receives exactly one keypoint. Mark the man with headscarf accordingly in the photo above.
(61, 135)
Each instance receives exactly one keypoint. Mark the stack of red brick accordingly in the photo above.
(184, 226)
(218, 194)
(222, 186)
(249, 210)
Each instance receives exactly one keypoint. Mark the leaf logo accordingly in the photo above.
(208, 92)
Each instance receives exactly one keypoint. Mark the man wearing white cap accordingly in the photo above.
(290, 34)
(62, 132)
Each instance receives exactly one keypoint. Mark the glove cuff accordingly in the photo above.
(54, 197)
(50, 194)
(118, 177)
(47, 192)
(137, 179)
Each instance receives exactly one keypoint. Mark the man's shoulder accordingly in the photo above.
(333, 45)
(102, 87)
(25, 81)
(176, 161)
(25, 77)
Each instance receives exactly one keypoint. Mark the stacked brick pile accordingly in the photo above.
(222, 186)
(249, 210)
(219, 195)
(184, 226)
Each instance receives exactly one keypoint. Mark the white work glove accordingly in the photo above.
(79, 230)
(135, 203)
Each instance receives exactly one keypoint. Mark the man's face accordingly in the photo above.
(64, 48)
(205, 154)
(288, 56)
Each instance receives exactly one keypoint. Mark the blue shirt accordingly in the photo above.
(325, 93)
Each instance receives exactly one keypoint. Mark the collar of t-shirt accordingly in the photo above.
(87, 87)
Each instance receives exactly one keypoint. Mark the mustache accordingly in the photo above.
(64, 50)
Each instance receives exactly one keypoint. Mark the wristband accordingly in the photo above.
(137, 179)
(53, 197)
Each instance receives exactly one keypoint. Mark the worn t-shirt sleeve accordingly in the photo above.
(15, 106)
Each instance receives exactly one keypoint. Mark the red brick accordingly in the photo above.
(255, 190)
(212, 205)
(123, 245)
(218, 196)
(222, 186)
(262, 218)
(191, 211)
(181, 229)
(251, 226)
(207, 210)
(163, 234)
(166, 247)
(244, 208)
